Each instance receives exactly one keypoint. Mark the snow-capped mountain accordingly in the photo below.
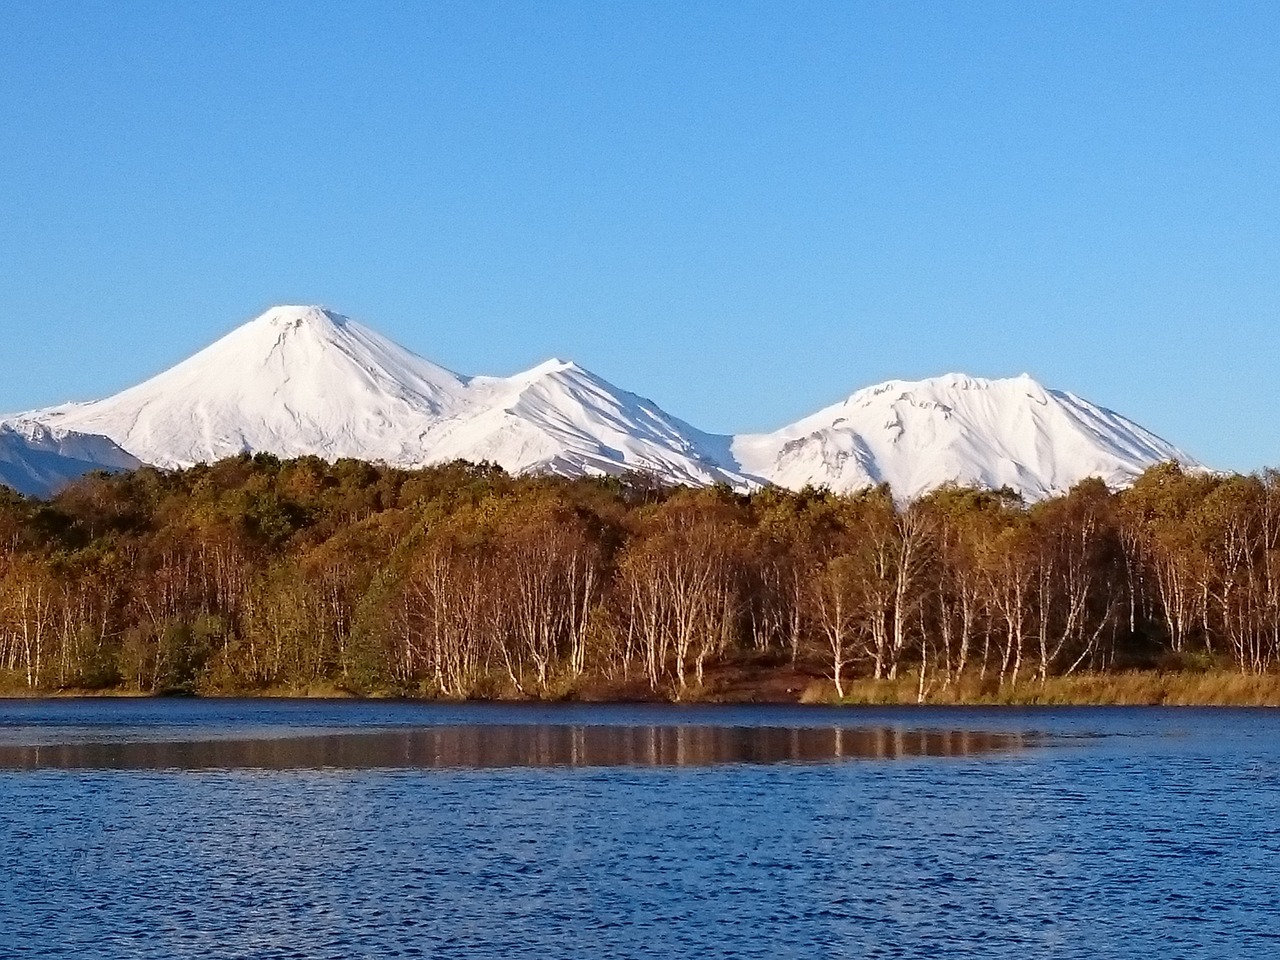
(304, 380)
(917, 436)
(38, 460)
(560, 418)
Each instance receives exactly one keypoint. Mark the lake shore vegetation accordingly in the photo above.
(257, 576)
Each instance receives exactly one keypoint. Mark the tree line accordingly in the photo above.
(462, 581)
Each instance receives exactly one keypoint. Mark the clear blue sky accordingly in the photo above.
(742, 210)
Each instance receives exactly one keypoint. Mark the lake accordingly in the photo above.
(262, 828)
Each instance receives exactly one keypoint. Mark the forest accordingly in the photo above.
(257, 575)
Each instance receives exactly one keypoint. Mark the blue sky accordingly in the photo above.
(743, 210)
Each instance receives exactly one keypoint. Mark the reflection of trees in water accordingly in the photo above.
(521, 746)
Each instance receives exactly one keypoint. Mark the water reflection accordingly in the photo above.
(516, 746)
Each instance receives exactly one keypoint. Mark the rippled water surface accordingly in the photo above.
(305, 829)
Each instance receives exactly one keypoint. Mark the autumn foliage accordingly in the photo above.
(460, 581)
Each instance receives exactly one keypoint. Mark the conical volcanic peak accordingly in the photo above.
(305, 380)
(293, 381)
(301, 315)
(302, 379)
(919, 435)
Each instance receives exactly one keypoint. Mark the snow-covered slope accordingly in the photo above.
(37, 460)
(916, 436)
(303, 380)
(294, 381)
(560, 418)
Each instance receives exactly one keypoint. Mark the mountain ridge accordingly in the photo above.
(36, 459)
(305, 380)
(956, 428)
(302, 379)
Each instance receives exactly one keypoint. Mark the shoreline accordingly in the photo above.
(742, 688)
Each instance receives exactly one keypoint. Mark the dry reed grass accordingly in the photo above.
(1138, 687)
